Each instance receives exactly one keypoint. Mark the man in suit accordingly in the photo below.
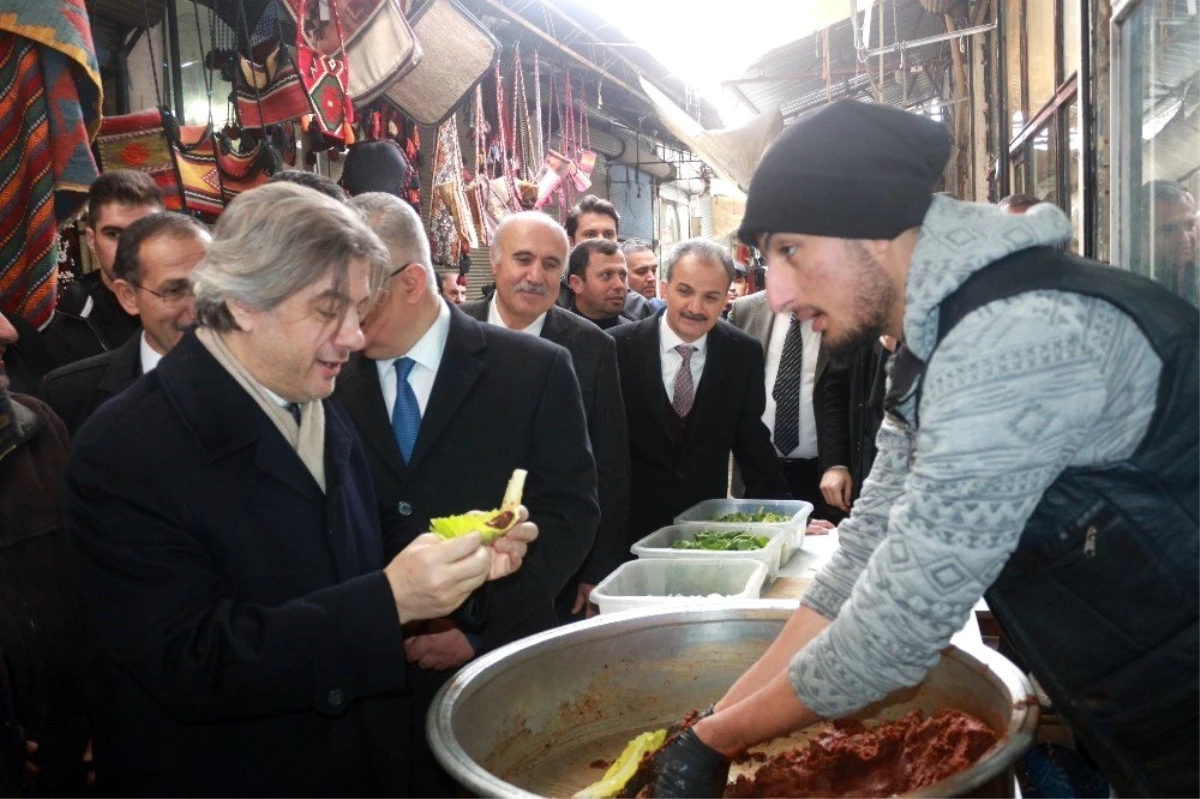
(449, 407)
(222, 513)
(88, 319)
(528, 253)
(811, 436)
(152, 280)
(693, 390)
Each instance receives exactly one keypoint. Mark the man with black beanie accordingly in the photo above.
(1040, 449)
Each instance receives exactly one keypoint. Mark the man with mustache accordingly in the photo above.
(247, 618)
(152, 280)
(528, 254)
(693, 390)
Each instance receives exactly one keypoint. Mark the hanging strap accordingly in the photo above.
(262, 119)
(539, 145)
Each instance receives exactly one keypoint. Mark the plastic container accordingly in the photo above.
(658, 544)
(659, 582)
(798, 510)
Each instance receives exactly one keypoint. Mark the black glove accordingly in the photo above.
(688, 767)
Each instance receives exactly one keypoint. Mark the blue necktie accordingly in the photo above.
(406, 415)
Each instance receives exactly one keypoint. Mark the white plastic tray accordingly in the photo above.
(658, 544)
(659, 582)
(798, 511)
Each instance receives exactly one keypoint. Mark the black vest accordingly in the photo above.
(1100, 597)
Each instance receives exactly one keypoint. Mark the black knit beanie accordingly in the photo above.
(851, 170)
(376, 166)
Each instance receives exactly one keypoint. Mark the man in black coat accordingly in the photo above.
(151, 279)
(470, 403)
(88, 319)
(528, 254)
(227, 533)
(693, 390)
(817, 463)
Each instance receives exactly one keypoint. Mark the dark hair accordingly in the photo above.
(127, 265)
(704, 250)
(581, 254)
(1019, 202)
(590, 204)
(312, 180)
(124, 186)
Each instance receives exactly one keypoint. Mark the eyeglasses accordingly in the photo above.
(172, 296)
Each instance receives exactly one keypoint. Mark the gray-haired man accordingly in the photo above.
(228, 538)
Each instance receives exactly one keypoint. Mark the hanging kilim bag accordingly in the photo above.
(459, 51)
(270, 92)
(139, 141)
(240, 172)
(380, 44)
(196, 157)
(325, 78)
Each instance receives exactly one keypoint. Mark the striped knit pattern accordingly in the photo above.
(28, 256)
(1019, 390)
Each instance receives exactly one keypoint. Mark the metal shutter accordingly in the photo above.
(632, 192)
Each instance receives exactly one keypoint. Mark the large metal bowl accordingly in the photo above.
(529, 719)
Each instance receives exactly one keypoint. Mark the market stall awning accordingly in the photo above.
(733, 154)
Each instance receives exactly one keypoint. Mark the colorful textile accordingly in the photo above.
(28, 256)
(139, 141)
(71, 77)
(50, 100)
(198, 174)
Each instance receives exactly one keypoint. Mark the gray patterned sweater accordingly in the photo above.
(1019, 390)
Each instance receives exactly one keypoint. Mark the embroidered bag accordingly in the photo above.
(196, 159)
(139, 141)
(459, 51)
(240, 172)
(380, 44)
(270, 92)
(325, 78)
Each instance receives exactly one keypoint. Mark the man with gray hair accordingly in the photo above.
(642, 264)
(449, 408)
(528, 256)
(227, 534)
(693, 390)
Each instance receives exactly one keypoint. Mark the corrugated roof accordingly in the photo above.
(791, 76)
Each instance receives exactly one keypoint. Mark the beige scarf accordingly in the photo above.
(307, 438)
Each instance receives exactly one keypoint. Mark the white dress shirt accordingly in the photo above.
(427, 353)
(150, 357)
(671, 360)
(494, 318)
(811, 342)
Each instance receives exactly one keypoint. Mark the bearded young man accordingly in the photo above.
(1040, 449)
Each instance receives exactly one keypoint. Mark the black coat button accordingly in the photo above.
(404, 509)
(336, 697)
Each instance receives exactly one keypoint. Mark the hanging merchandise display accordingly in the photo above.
(539, 143)
(451, 230)
(239, 171)
(380, 45)
(521, 130)
(140, 141)
(270, 92)
(196, 159)
(581, 153)
(325, 77)
(459, 51)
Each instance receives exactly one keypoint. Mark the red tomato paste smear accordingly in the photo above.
(892, 758)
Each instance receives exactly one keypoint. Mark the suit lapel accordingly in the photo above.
(555, 330)
(457, 374)
(647, 361)
(344, 543)
(124, 368)
(225, 419)
(709, 392)
(360, 391)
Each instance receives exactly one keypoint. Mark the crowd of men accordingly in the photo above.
(252, 428)
(217, 576)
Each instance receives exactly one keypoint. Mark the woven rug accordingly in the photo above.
(28, 257)
(50, 100)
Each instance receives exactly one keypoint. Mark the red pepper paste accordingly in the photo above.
(892, 758)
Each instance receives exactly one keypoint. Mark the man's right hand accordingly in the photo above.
(432, 576)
